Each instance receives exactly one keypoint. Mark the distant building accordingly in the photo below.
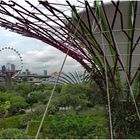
(3, 69)
(56, 74)
(28, 72)
(45, 72)
(23, 73)
(13, 67)
(8, 66)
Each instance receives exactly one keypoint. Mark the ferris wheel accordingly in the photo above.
(11, 61)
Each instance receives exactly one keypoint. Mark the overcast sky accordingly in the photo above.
(37, 56)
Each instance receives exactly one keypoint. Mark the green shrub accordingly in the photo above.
(11, 122)
(17, 102)
(23, 88)
(69, 127)
(2, 87)
(33, 127)
(12, 133)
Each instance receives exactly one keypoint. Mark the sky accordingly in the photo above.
(37, 56)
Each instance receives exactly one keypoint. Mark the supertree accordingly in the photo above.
(103, 38)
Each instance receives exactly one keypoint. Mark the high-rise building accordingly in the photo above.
(28, 72)
(45, 72)
(13, 67)
(3, 69)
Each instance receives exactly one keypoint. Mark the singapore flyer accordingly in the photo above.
(11, 60)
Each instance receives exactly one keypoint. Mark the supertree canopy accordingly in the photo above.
(96, 34)
(102, 37)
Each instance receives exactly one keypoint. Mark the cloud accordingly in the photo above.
(49, 59)
(37, 56)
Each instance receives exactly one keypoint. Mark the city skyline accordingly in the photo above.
(8, 67)
(37, 56)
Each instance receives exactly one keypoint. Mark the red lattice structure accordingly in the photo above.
(103, 38)
(89, 33)
(37, 24)
(98, 35)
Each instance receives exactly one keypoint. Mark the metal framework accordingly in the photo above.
(55, 24)
(103, 37)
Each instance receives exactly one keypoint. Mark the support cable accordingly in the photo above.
(132, 95)
(107, 87)
(52, 93)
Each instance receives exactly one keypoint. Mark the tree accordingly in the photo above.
(100, 48)
(23, 88)
(17, 103)
(71, 95)
(38, 96)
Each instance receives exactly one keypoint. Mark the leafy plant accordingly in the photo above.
(70, 126)
(4, 108)
(12, 133)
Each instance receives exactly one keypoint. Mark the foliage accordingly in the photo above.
(38, 96)
(23, 88)
(40, 87)
(93, 93)
(84, 119)
(12, 133)
(5, 96)
(11, 122)
(126, 123)
(64, 125)
(2, 88)
(68, 127)
(24, 119)
(49, 87)
(33, 97)
(70, 96)
(16, 101)
(96, 111)
(38, 109)
(4, 106)
(74, 95)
